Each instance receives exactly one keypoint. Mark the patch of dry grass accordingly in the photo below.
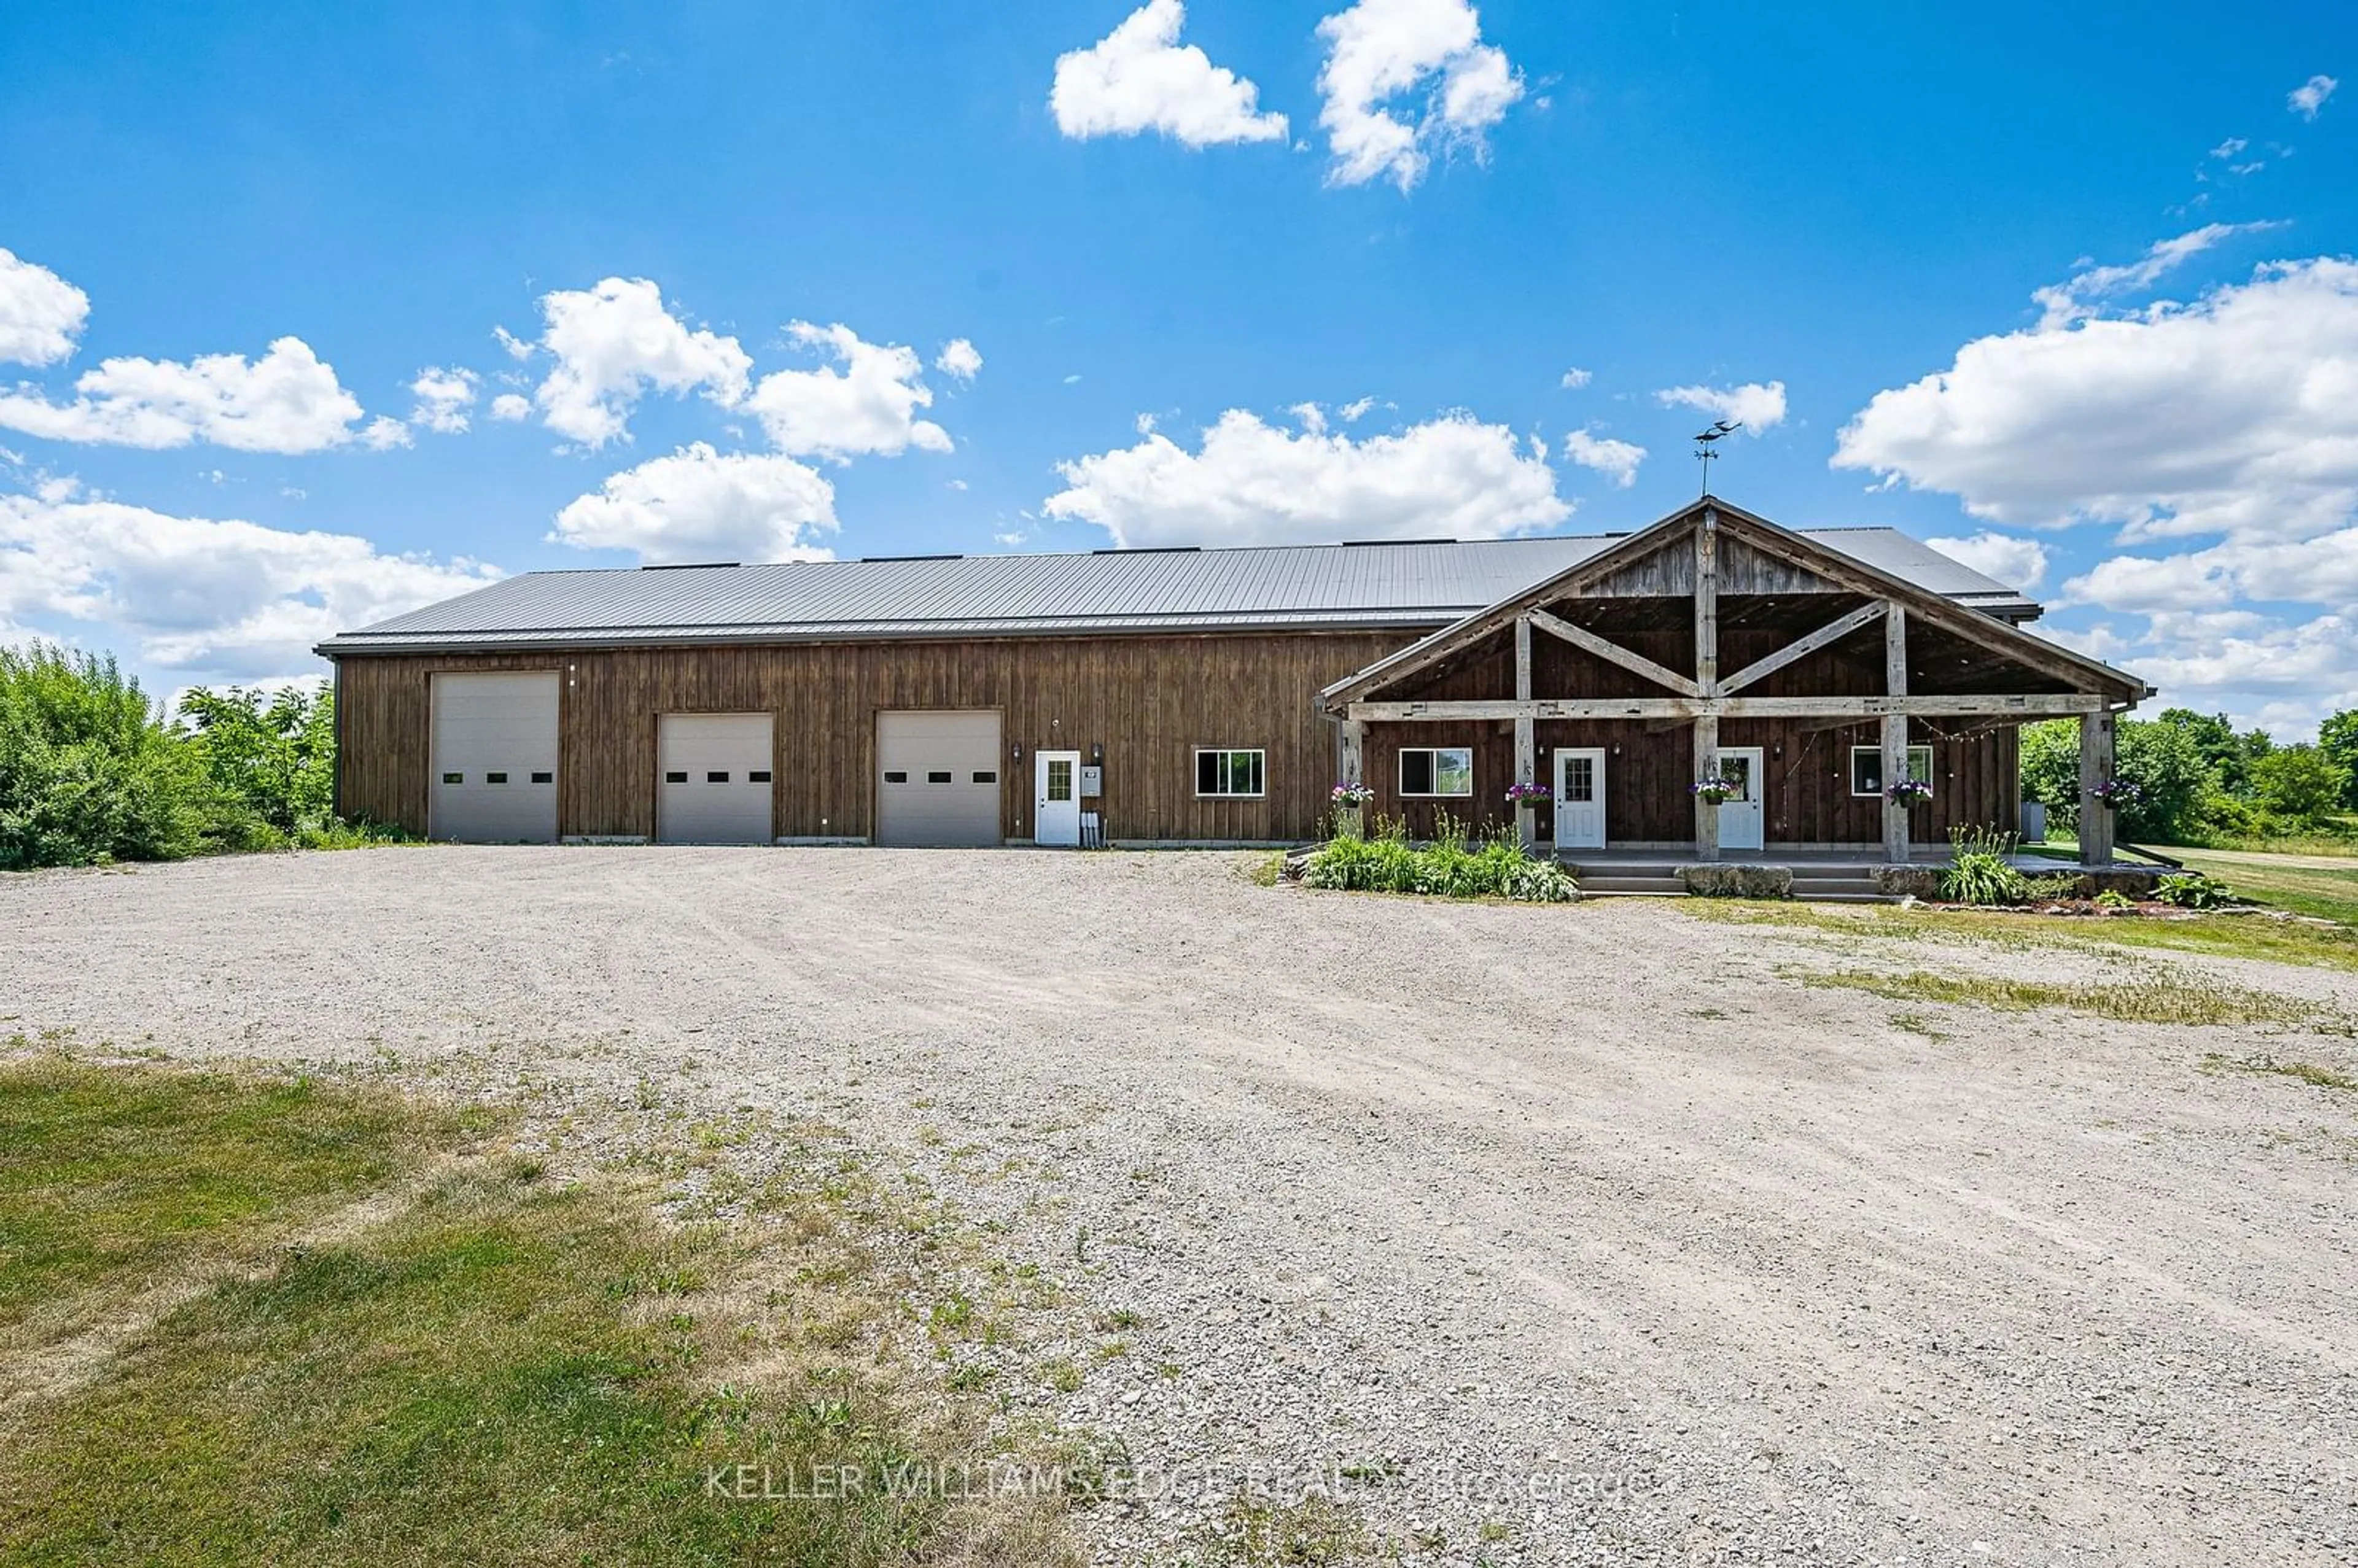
(491, 1365)
(2156, 997)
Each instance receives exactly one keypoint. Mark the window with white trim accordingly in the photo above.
(1867, 768)
(1445, 771)
(1232, 774)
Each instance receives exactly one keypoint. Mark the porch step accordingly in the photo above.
(1625, 886)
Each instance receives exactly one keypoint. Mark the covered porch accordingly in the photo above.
(1718, 688)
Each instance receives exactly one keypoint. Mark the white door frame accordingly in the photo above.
(1056, 824)
(1594, 811)
(1743, 821)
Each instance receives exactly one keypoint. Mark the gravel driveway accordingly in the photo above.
(1578, 1234)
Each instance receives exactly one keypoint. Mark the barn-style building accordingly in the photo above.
(1216, 697)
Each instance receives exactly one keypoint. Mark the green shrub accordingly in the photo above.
(275, 759)
(2192, 890)
(1980, 871)
(2303, 785)
(2113, 898)
(1447, 868)
(88, 772)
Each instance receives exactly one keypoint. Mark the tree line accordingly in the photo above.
(2202, 781)
(93, 771)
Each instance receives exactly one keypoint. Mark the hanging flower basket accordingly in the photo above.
(1904, 791)
(1522, 795)
(1718, 790)
(1352, 796)
(2115, 794)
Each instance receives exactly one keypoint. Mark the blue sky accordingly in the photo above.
(2118, 239)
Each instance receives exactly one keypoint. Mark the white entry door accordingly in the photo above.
(1740, 815)
(1579, 797)
(715, 778)
(1057, 812)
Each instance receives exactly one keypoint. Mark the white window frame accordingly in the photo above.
(1401, 774)
(1915, 755)
(1260, 766)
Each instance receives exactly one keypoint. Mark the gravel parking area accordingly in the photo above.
(1544, 1235)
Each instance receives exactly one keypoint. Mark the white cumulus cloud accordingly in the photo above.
(1576, 378)
(2236, 413)
(960, 360)
(1250, 482)
(2010, 558)
(1616, 460)
(866, 403)
(2309, 97)
(1380, 51)
(1140, 78)
(698, 505)
(40, 313)
(444, 396)
(511, 407)
(1757, 407)
(288, 401)
(614, 343)
(230, 598)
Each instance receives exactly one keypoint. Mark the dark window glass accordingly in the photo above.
(674, 778)
(1207, 772)
(496, 778)
(986, 778)
(454, 778)
(938, 778)
(896, 778)
(760, 776)
(715, 777)
(544, 778)
(1416, 773)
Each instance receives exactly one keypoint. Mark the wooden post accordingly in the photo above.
(1350, 741)
(2095, 766)
(1895, 733)
(1706, 640)
(1526, 753)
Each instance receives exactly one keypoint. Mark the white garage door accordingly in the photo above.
(714, 781)
(938, 778)
(494, 766)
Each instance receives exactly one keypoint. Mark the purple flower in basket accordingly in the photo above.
(2116, 793)
(1518, 794)
(1905, 791)
(1717, 789)
(1353, 797)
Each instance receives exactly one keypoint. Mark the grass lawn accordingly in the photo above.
(273, 1321)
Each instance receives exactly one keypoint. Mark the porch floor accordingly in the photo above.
(1843, 875)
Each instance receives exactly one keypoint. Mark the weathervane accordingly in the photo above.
(1705, 450)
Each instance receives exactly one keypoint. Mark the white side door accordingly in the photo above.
(1579, 797)
(1056, 811)
(714, 784)
(495, 757)
(1740, 815)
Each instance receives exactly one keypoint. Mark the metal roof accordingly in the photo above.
(1414, 584)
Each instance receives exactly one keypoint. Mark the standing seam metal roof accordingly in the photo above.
(1342, 586)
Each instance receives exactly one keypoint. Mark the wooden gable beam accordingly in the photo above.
(1833, 631)
(1613, 652)
(1421, 655)
(1999, 637)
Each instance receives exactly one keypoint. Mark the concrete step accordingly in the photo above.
(1843, 897)
(1634, 886)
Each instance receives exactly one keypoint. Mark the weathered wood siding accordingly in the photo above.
(1807, 797)
(1806, 789)
(1150, 701)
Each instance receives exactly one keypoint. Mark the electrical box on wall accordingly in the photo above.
(1092, 783)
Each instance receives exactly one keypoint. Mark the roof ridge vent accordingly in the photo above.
(1150, 550)
(1371, 544)
(686, 566)
(952, 555)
